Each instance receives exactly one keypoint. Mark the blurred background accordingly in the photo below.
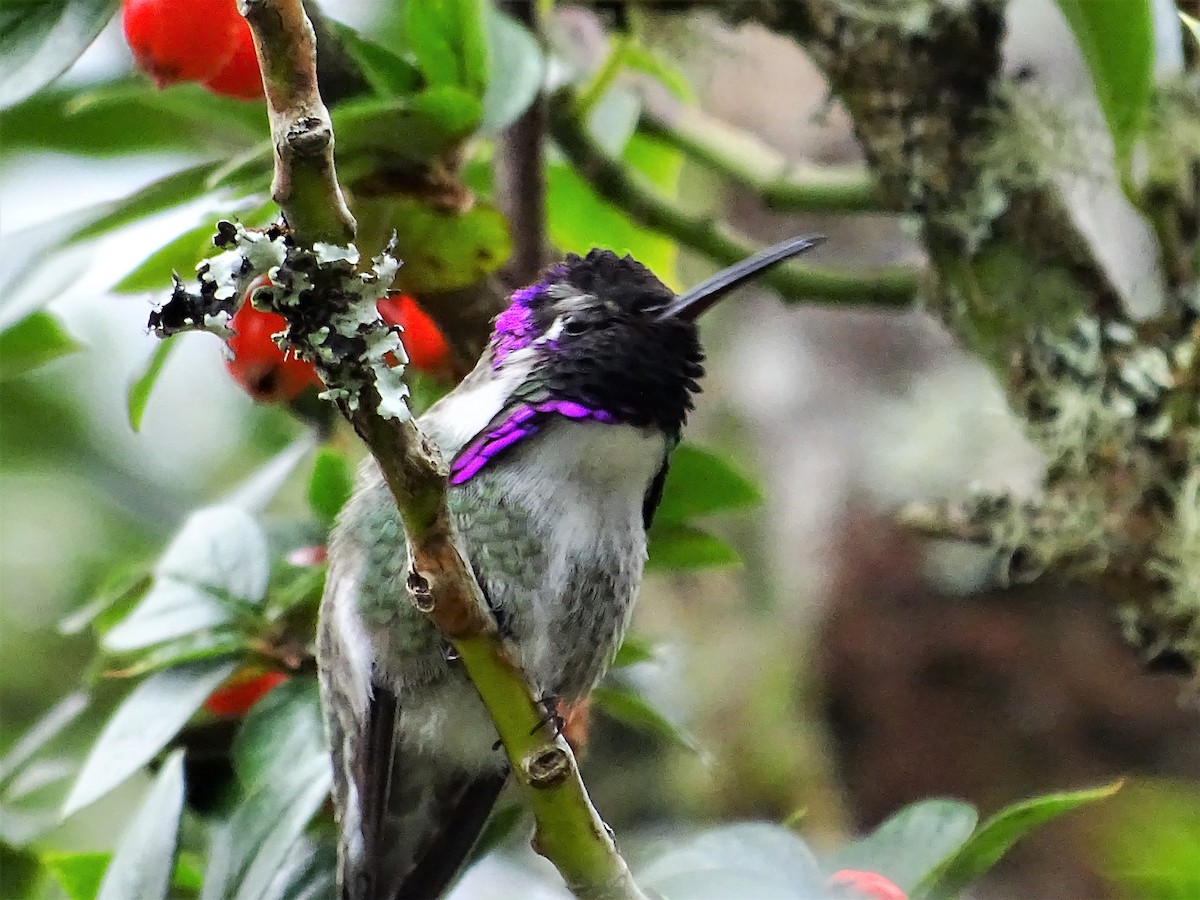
(843, 669)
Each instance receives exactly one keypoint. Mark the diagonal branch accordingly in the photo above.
(626, 190)
(570, 832)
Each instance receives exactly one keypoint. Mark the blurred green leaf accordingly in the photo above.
(261, 486)
(517, 70)
(205, 645)
(306, 873)
(677, 547)
(1117, 40)
(749, 859)
(40, 40)
(642, 59)
(216, 566)
(630, 708)
(139, 390)
(330, 485)
(699, 482)
(417, 129)
(118, 594)
(1148, 843)
(912, 842)
(387, 74)
(282, 762)
(32, 342)
(132, 117)
(449, 40)
(996, 836)
(41, 733)
(142, 725)
(634, 649)
(442, 250)
(163, 193)
(78, 874)
(145, 857)
(579, 220)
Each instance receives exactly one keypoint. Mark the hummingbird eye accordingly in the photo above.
(575, 326)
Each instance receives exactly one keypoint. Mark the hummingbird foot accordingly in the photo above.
(550, 702)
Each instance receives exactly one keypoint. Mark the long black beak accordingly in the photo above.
(704, 296)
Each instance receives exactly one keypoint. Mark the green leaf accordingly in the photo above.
(306, 873)
(449, 40)
(142, 725)
(1117, 41)
(41, 733)
(579, 220)
(330, 485)
(163, 193)
(442, 250)
(115, 598)
(994, 838)
(144, 859)
(387, 74)
(677, 547)
(517, 71)
(132, 117)
(32, 342)
(260, 487)
(417, 129)
(634, 649)
(699, 482)
(194, 647)
(632, 709)
(214, 568)
(282, 762)
(642, 59)
(79, 874)
(912, 842)
(1147, 843)
(139, 390)
(40, 40)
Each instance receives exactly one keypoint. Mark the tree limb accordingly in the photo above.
(626, 190)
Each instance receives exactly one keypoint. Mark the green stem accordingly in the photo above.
(597, 86)
(625, 189)
(750, 163)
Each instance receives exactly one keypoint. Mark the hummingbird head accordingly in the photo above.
(607, 336)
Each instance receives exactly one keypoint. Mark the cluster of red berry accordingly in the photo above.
(267, 375)
(194, 40)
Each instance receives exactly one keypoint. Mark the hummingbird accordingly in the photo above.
(558, 444)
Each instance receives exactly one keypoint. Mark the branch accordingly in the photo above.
(569, 831)
(520, 170)
(782, 184)
(624, 188)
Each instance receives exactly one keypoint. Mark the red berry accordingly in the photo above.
(181, 40)
(240, 77)
(242, 691)
(258, 364)
(423, 341)
(870, 885)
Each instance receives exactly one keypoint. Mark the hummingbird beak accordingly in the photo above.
(704, 296)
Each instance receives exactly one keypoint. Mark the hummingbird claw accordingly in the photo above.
(550, 702)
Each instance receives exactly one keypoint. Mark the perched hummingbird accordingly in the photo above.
(558, 444)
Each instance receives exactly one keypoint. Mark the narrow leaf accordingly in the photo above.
(630, 708)
(143, 724)
(39, 41)
(912, 842)
(449, 40)
(699, 482)
(388, 74)
(46, 729)
(161, 194)
(78, 874)
(139, 390)
(680, 547)
(994, 838)
(1117, 41)
(145, 857)
(33, 341)
(330, 484)
(253, 494)
(192, 648)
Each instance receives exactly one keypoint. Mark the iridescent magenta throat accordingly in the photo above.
(522, 422)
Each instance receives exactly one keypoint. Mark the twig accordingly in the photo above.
(569, 831)
(625, 189)
(782, 184)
